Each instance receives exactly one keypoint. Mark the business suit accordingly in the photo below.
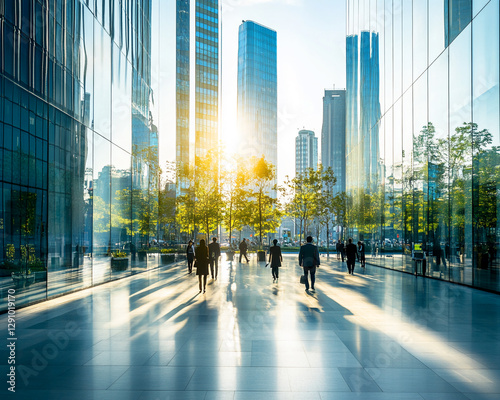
(275, 258)
(214, 254)
(351, 252)
(309, 260)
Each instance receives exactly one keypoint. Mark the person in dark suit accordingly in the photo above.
(340, 250)
(243, 249)
(361, 254)
(214, 254)
(351, 252)
(190, 256)
(309, 260)
(275, 259)
(201, 256)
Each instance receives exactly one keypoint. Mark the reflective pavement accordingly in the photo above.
(378, 334)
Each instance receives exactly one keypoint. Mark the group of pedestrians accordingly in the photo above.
(351, 252)
(202, 257)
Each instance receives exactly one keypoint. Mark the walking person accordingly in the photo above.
(214, 254)
(351, 252)
(275, 259)
(361, 254)
(190, 256)
(201, 256)
(340, 250)
(243, 249)
(309, 260)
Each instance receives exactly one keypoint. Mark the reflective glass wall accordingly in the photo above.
(429, 203)
(78, 144)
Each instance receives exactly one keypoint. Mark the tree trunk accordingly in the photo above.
(327, 241)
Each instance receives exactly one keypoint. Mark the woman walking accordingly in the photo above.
(201, 256)
(190, 255)
(275, 259)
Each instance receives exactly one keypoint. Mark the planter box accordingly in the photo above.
(261, 255)
(119, 264)
(167, 259)
(22, 280)
(230, 255)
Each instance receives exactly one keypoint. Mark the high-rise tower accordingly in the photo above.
(257, 91)
(306, 151)
(333, 135)
(197, 124)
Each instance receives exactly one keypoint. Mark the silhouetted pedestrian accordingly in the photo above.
(309, 260)
(243, 249)
(214, 254)
(275, 259)
(201, 256)
(361, 253)
(190, 256)
(351, 252)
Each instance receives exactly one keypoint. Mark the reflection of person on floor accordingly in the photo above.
(275, 259)
(214, 253)
(201, 256)
(309, 260)
(190, 256)
(351, 252)
(243, 249)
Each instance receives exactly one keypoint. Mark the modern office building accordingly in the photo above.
(306, 151)
(78, 146)
(197, 122)
(333, 134)
(257, 92)
(363, 110)
(433, 149)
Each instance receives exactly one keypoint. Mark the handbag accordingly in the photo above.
(303, 279)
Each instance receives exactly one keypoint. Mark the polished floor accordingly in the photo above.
(378, 334)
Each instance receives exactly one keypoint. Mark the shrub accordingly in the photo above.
(119, 254)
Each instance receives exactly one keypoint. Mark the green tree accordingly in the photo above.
(265, 215)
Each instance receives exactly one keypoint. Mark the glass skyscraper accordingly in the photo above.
(306, 151)
(363, 110)
(333, 134)
(434, 155)
(257, 91)
(202, 136)
(78, 144)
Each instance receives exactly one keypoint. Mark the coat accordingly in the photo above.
(275, 257)
(201, 255)
(309, 255)
(214, 250)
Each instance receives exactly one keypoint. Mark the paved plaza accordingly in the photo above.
(376, 335)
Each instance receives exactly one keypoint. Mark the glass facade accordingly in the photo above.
(333, 135)
(432, 189)
(205, 18)
(306, 152)
(78, 144)
(257, 91)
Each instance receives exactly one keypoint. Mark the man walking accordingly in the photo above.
(351, 252)
(340, 250)
(309, 260)
(214, 254)
(243, 249)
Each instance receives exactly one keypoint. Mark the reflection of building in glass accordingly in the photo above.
(257, 91)
(363, 110)
(205, 17)
(75, 109)
(432, 181)
(333, 135)
(306, 152)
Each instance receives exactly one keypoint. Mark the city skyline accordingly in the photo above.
(305, 26)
